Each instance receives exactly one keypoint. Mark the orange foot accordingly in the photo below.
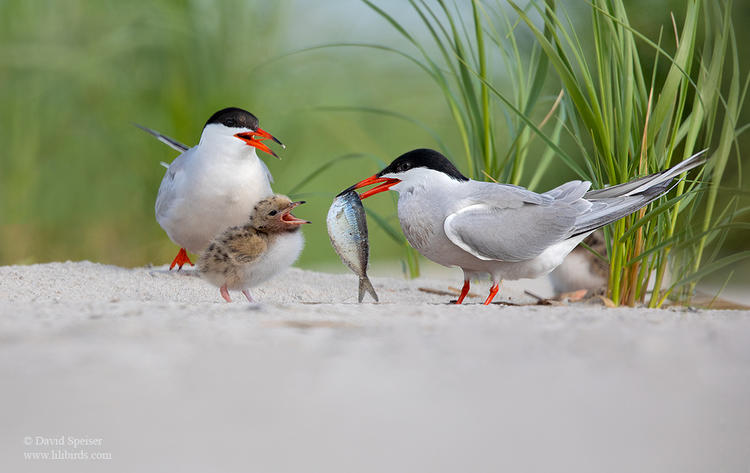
(464, 291)
(493, 290)
(180, 260)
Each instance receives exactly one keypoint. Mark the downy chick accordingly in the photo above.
(246, 256)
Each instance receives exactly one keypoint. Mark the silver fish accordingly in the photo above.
(347, 228)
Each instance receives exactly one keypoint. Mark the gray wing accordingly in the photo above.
(174, 174)
(514, 224)
(169, 183)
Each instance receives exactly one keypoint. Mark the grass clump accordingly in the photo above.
(612, 120)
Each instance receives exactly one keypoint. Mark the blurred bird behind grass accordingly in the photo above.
(78, 180)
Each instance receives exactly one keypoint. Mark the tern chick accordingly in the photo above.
(246, 256)
(583, 269)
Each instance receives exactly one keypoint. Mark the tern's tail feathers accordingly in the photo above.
(366, 285)
(642, 184)
(171, 142)
(615, 202)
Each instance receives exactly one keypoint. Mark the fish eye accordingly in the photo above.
(272, 212)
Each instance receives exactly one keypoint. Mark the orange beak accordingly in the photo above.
(254, 138)
(374, 179)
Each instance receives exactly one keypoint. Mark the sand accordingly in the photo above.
(154, 372)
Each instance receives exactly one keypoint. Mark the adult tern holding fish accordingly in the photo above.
(503, 230)
(215, 184)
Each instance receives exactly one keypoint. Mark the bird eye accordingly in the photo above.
(272, 212)
(403, 167)
(230, 123)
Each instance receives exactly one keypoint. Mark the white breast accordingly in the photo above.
(282, 252)
(209, 194)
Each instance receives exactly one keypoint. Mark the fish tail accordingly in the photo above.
(366, 285)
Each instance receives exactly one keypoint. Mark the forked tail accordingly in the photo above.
(613, 203)
(171, 142)
(366, 285)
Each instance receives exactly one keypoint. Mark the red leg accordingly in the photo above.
(225, 293)
(246, 292)
(493, 290)
(180, 259)
(464, 291)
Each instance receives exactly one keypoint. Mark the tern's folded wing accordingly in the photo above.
(512, 233)
(170, 184)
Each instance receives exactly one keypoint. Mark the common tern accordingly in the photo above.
(215, 184)
(506, 231)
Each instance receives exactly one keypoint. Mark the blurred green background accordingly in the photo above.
(78, 180)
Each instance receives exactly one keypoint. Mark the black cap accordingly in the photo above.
(234, 117)
(423, 158)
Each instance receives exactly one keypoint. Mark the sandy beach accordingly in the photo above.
(145, 370)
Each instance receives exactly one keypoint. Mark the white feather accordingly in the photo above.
(209, 188)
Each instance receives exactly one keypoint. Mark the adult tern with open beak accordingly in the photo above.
(506, 231)
(215, 184)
